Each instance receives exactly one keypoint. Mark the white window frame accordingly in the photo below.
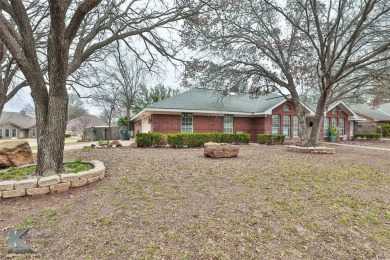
(286, 108)
(341, 126)
(228, 121)
(334, 121)
(14, 130)
(33, 132)
(275, 124)
(1, 132)
(185, 120)
(295, 127)
(5, 132)
(326, 126)
(287, 126)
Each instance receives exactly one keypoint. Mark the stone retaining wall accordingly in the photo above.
(52, 184)
(317, 150)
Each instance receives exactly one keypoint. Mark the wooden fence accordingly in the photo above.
(101, 133)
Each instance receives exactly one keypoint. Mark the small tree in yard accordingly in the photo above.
(75, 32)
(334, 47)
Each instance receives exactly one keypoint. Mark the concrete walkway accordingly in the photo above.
(358, 146)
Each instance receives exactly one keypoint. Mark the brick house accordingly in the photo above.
(206, 110)
(373, 117)
(17, 125)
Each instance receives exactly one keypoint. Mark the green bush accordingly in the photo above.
(149, 140)
(66, 135)
(198, 139)
(270, 139)
(385, 130)
(122, 121)
(176, 140)
(368, 135)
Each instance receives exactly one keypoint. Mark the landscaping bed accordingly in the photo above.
(178, 204)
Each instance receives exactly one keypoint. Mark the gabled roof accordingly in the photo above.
(85, 121)
(381, 113)
(213, 101)
(18, 119)
(346, 108)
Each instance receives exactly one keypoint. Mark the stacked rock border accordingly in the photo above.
(52, 184)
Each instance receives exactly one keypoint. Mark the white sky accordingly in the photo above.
(172, 79)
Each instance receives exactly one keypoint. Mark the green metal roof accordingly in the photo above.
(213, 100)
(372, 112)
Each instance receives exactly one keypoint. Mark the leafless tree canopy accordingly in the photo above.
(334, 47)
(59, 36)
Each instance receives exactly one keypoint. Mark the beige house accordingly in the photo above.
(76, 126)
(17, 125)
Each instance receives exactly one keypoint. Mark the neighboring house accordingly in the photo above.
(206, 110)
(374, 117)
(77, 125)
(17, 125)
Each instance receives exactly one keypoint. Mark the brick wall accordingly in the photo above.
(206, 124)
(166, 123)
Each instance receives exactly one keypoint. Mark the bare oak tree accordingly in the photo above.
(10, 79)
(334, 47)
(126, 76)
(78, 30)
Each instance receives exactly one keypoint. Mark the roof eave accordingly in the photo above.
(151, 110)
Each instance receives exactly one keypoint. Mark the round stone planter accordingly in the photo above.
(52, 184)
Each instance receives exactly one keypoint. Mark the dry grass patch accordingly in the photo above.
(177, 204)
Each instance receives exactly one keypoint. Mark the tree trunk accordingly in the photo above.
(51, 135)
(52, 110)
(303, 136)
(314, 138)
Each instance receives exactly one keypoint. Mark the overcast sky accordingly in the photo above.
(172, 79)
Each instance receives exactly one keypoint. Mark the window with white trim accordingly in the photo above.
(228, 124)
(334, 121)
(295, 127)
(334, 111)
(186, 123)
(1, 132)
(6, 132)
(286, 108)
(286, 126)
(341, 126)
(275, 124)
(326, 126)
(33, 132)
(14, 132)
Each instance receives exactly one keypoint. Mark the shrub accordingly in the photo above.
(270, 139)
(122, 121)
(66, 135)
(333, 130)
(385, 130)
(101, 142)
(368, 135)
(149, 140)
(175, 140)
(198, 139)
